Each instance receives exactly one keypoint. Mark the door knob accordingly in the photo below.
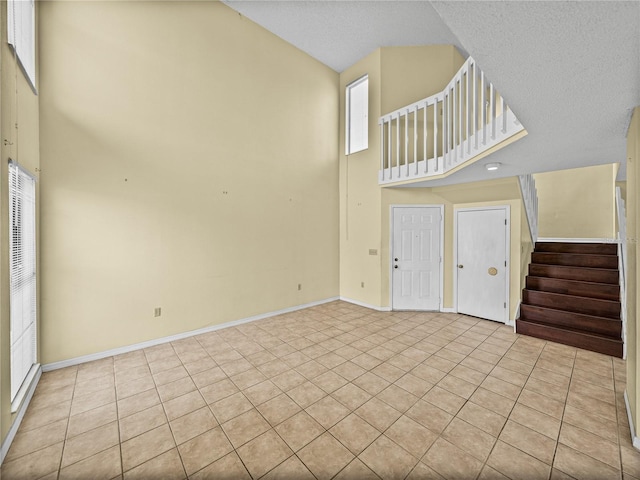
(395, 266)
(395, 259)
(460, 266)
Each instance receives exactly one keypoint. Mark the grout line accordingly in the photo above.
(115, 391)
(448, 328)
(514, 404)
(66, 432)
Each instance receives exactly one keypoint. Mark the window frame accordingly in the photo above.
(349, 117)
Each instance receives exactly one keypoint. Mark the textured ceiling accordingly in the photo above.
(570, 70)
(339, 33)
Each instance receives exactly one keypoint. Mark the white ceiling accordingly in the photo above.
(570, 70)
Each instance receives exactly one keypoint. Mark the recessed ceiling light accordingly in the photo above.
(492, 166)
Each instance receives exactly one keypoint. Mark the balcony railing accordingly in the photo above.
(530, 200)
(440, 133)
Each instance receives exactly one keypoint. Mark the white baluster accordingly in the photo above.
(468, 111)
(503, 107)
(382, 148)
(460, 122)
(483, 108)
(398, 142)
(435, 134)
(475, 110)
(447, 134)
(389, 155)
(424, 139)
(406, 141)
(492, 105)
(415, 138)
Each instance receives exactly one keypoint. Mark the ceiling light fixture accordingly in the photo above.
(493, 166)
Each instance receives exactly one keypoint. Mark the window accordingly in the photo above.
(22, 283)
(22, 35)
(357, 115)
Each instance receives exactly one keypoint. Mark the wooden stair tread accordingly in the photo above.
(605, 291)
(575, 338)
(596, 275)
(578, 247)
(576, 259)
(572, 296)
(572, 303)
(610, 327)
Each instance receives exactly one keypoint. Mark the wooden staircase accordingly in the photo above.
(572, 296)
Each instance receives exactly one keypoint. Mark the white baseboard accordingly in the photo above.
(388, 309)
(635, 440)
(22, 409)
(172, 338)
(365, 305)
(578, 240)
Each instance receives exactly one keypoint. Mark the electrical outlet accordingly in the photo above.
(299, 286)
(157, 311)
(362, 284)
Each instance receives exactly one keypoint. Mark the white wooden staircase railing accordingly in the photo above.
(530, 199)
(622, 265)
(437, 134)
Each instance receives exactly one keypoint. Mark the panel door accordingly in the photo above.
(416, 258)
(482, 270)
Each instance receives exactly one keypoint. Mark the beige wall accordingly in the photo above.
(190, 162)
(397, 76)
(410, 74)
(478, 194)
(360, 195)
(19, 105)
(577, 203)
(633, 222)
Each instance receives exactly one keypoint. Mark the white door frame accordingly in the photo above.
(507, 208)
(391, 214)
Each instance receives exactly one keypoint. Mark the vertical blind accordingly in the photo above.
(22, 34)
(22, 258)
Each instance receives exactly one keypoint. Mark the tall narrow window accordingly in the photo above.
(22, 269)
(22, 34)
(357, 115)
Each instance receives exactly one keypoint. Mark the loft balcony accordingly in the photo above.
(445, 132)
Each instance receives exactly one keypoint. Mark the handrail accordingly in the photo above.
(530, 200)
(622, 265)
(438, 133)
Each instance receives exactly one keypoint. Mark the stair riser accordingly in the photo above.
(572, 287)
(574, 339)
(575, 273)
(589, 248)
(575, 260)
(588, 306)
(574, 321)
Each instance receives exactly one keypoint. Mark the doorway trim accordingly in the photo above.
(507, 209)
(391, 214)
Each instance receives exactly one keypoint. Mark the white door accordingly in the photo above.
(415, 258)
(482, 271)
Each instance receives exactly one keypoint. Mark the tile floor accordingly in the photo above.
(334, 391)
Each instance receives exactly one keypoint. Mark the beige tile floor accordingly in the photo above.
(334, 391)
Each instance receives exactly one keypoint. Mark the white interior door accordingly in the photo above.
(415, 260)
(482, 262)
